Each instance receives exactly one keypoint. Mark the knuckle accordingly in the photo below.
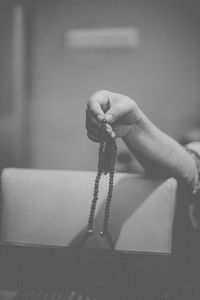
(134, 105)
(99, 94)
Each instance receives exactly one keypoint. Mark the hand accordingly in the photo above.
(120, 112)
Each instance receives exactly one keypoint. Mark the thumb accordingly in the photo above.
(113, 113)
(109, 117)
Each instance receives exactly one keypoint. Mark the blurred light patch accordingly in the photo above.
(117, 37)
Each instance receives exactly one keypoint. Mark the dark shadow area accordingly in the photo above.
(184, 267)
(100, 273)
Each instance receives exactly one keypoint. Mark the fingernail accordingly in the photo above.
(100, 117)
(113, 135)
(109, 118)
(109, 130)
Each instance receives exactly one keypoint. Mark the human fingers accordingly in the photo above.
(122, 108)
(93, 137)
(91, 130)
(110, 132)
(95, 133)
(92, 121)
(99, 104)
(94, 126)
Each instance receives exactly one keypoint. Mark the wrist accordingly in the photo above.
(195, 183)
(139, 125)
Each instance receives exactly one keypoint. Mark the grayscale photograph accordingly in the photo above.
(99, 150)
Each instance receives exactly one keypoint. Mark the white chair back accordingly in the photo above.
(51, 207)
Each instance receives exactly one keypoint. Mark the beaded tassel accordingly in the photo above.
(106, 162)
(97, 180)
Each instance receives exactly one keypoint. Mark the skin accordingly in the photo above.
(158, 153)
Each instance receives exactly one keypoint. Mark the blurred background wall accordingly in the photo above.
(162, 74)
(12, 85)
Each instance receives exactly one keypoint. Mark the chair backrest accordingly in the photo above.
(51, 207)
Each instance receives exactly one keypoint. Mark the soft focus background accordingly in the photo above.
(44, 84)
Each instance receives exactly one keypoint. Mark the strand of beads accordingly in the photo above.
(105, 231)
(97, 180)
(106, 162)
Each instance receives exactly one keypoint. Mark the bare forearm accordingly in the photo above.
(158, 153)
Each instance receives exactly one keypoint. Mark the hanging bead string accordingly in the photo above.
(98, 177)
(106, 162)
(112, 148)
